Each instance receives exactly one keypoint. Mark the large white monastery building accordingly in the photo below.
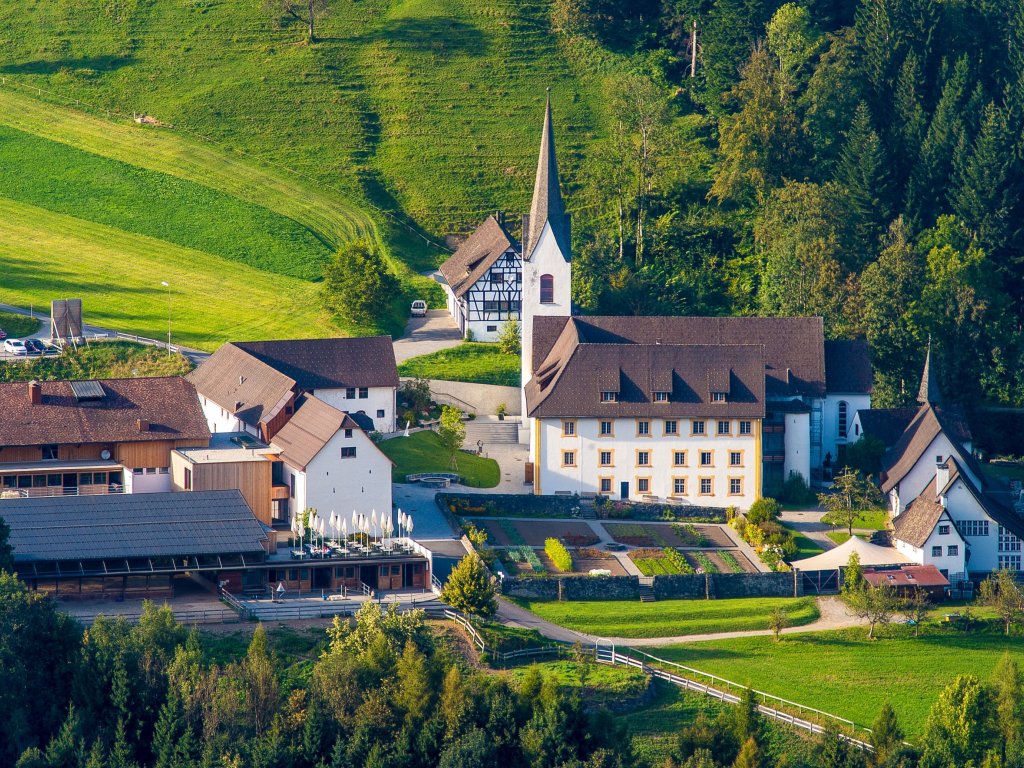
(699, 410)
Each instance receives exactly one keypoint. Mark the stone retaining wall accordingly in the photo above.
(484, 399)
(528, 505)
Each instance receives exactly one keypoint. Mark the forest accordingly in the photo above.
(861, 161)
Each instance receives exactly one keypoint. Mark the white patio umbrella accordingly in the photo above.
(344, 533)
(373, 522)
(408, 527)
(401, 521)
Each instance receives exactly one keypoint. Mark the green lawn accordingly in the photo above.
(470, 361)
(805, 547)
(605, 683)
(1004, 472)
(422, 452)
(841, 537)
(875, 520)
(99, 360)
(844, 673)
(18, 325)
(667, 618)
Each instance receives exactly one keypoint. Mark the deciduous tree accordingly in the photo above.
(1002, 593)
(851, 494)
(451, 431)
(358, 285)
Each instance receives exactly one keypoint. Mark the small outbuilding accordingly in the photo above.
(908, 579)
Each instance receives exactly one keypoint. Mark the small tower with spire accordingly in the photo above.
(547, 250)
(929, 391)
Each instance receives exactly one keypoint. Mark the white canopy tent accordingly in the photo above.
(870, 554)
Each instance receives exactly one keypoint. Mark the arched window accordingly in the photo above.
(547, 289)
(842, 419)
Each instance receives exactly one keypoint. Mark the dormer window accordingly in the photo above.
(609, 397)
(661, 397)
(718, 397)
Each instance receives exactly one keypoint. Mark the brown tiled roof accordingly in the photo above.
(168, 404)
(367, 361)
(485, 246)
(848, 367)
(887, 424)
(309, 430)
(793, 346)
(907, 576)
(242, 384)
(926, 425)
(918, 520)
(571, 379)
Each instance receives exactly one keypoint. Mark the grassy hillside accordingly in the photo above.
(430, 106)
(406, 121)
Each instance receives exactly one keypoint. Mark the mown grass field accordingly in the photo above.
(471, 361)
(844, 673)
(422, 452)
(667, 618)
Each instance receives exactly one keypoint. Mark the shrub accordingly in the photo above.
(508, 339)
(796, 491)
(559, 555)
(763, 510)
(358, 285)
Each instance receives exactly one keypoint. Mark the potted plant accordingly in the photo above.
(502, 410)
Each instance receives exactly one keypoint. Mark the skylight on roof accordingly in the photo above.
(87, 390)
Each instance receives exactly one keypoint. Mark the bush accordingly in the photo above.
(559, 555)
(796, 491)
(508, 340)
(358, 285)
(763, 510)
(674, 557)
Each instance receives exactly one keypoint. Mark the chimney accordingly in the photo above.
(142, 425)
(941, 476)
(35, 392)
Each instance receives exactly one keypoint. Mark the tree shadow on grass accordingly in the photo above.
(52, 66)
(441, 35)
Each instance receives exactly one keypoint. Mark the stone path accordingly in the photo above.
(833, 616)
(424, 335)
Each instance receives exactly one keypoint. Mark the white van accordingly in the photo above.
(419, 308)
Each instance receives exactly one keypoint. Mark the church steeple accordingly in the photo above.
(929, 391)
(547, 207)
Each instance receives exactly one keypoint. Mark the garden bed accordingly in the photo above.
(675, 535)
(503, 532)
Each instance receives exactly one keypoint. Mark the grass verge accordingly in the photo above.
(667, 618)
(422, 452)
(474, 362)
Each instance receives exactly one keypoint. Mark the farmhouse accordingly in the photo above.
(109, 436)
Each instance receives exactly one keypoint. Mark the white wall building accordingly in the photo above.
(483, 281)
(331, 464)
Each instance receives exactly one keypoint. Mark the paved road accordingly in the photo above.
(808, 522)
(424, 335)
(833, 616)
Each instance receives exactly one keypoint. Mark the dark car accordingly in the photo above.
(35, 347)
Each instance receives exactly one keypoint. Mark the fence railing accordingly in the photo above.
(203, 616)
(771, 706)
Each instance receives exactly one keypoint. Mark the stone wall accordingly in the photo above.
(528, 505)
(679, 587)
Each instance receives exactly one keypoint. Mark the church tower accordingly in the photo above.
(547, 254)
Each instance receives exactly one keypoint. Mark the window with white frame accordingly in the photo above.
(936, 551)
(679, 486)
(671, 427)
(953, 550)
(1007, 541)
(718, 397)
(706, 486)
(606, 458)
(744, 427)
(609, 397)
(723, 427)
(606, 485)
(568, 458)
(1009, 562)
(943, 530)
(735, 486)
(705, 458)
(643, 485)
(568, 427)
(974, 527)
(679, 458)
(606, 429)
(643, 428)
(735, 458)
(661, 397)
(643, 458)
(697, 427)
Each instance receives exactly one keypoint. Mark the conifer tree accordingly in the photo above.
(886, 735)
(862, 171)
(469, 588)
(749, 756)
(909, 120)
(167, 731)
(415, 686)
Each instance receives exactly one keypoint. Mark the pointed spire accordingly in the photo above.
(929, 391)
(547, 196)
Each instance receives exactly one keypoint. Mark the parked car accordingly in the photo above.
(419, 308)
(15, 347)
(35, 347)
(3, 334)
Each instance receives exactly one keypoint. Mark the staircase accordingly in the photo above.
(489, 431)
(647, 589)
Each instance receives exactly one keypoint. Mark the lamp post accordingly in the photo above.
(167, 285)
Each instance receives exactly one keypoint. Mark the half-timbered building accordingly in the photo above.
(483, 281)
